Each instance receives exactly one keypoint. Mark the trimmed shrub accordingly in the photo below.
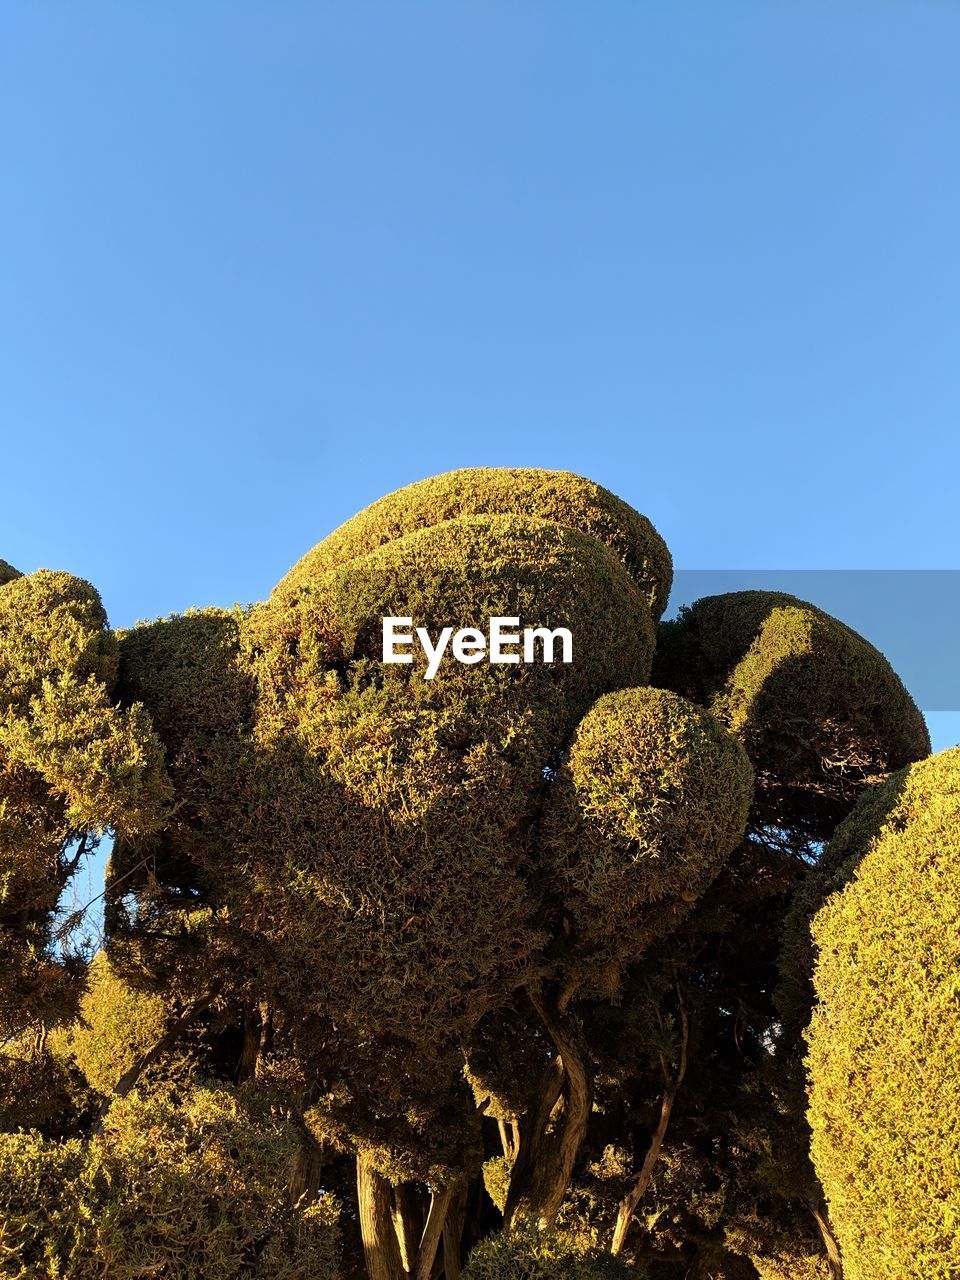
(884, 1042)
(556, 496)
(116, 1026)
(188, 1188)
(820, 711)
(650, 802)
(528, 1254)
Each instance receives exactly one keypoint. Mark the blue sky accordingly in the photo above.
(264, 262)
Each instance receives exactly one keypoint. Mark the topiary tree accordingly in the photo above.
(821, 712)
(519, 926)
(72, 766)
(884, 1042)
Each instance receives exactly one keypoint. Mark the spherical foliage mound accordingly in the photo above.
(821, 712)
(377, 795)
(884, 1042)
(648, 805)
(558, 497)
(528, 1254)
(180, 1187)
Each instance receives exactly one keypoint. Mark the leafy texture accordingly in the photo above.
(179, 1187)
(884, 1044)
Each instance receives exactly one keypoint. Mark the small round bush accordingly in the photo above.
(820, 711)
(650, 802)
(529, 1254)
(117, 1025)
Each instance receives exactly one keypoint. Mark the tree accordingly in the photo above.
(504, 948)
(73, 765)
(884, 1042)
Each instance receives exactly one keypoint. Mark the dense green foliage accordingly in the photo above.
(819, 710)
(528, 1254)
(506, 970)
(72, 765)
(649, 804)
(557, 497)
(183, 1187)
(884, 1055)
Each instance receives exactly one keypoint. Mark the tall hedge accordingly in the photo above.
(884, 1042)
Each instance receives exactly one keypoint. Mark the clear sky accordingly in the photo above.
(262, 263)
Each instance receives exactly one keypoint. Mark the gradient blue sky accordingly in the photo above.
(264, 262)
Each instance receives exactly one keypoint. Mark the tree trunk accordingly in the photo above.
(544, 1163)
(633, 1197)
(453, 1231)
(380, 1245)
(408, 1223)
(250, 1052)
(432, 1231)
(305, 1174)
(508, 1133)
(830, 1245)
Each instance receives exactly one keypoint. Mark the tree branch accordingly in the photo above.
(633, 1197)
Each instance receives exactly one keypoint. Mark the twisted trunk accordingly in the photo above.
(395, 1244)
(432, 1231)
(557, 1125)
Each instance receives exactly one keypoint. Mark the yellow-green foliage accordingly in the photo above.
(503, 1061)
(40, 1088)
(72, 764)
(189, 1188)
(884, 1043)
(528, 1254)
(556, 496)
(646, 809)
(186, 671)
(795, 1264)
(820, 711)
(117, 1025)
(58, 661)
(410, 1120)
(385, 829)
(496, 1179)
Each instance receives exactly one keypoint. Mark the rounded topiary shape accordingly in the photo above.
(820, 711)
(497, 1172)
(884, 1042)
(385, 835)
(556, 496)
(648, 805)
(185, 670)
(528, 1254)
